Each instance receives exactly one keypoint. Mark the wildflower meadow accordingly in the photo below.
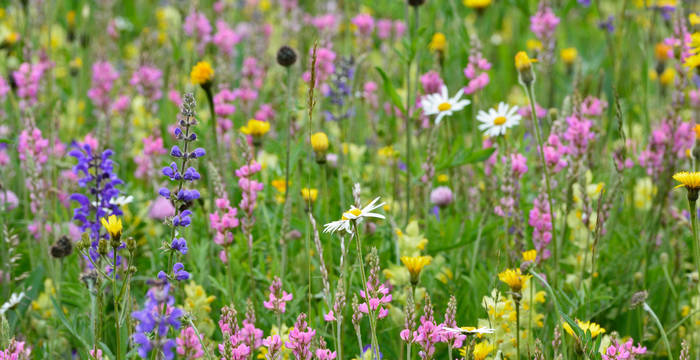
(350, 179)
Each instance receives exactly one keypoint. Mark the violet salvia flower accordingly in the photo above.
(300, 337)
(623, 351)
(541, 221)
(188, 345)
(96, 175)
(339, 90)
(182, 197)
(278, 298)
(431, 82)
(148, 81)
(103, 77)
(154, 322)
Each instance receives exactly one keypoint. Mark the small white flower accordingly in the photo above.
(496, 121)
(442, 105)
(14, 300)
(471, 331)
(354, 214)
(122, 200)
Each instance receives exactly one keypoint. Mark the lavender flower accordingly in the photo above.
(340, 90)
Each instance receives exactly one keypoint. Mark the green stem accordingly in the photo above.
(517, 328)
(116, 304)
(648, 309)
(370, 313)
(531, 96)
(694, 225)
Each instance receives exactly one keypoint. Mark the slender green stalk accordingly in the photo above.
(648, 309)
(694, 224)
(370, 313)
(116, 304)
(287, 205)
(530, 89)
(517, 328)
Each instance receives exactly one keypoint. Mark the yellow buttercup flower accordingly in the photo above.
(415, 264)
(319, 142)
(587, 326)
(694, 19)
(530, 255)
(438, 43)
(256, 128)
(666, 77)
(689, 180)
(202, 73)
(514, 279)
(482, 350)
(279, 185)
(113, 226)
(309, 194)
(569, 55)
(476, 4)
(533, 45)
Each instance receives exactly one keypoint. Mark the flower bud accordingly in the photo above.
(286, 56)
(319, 143)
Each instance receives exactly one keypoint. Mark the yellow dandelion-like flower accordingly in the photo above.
(586, 326)
(438, 43)
(666, 77)
(309, 194)
(523, 62)
(482, 350)
(256, 128)
(476, 4)
(533, 45)
(689, 180)
(319, 142)
(415, 265)
(530, 255)
(694, 19)
(113, 225)
(202, 73)
(514, 279)
(569, 55)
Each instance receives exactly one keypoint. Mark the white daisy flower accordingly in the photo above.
(442, 105)
(471, 330)
(14, 300)
(354, 214)
(496, 121)
(122, 200)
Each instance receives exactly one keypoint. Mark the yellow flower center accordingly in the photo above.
(499, 120)
(444, 106)
(356, 212)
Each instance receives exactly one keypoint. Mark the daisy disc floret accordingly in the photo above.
(496, 121)
(442, 105)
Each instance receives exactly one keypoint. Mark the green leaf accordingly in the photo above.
(460, 157)
(390, 91)
(66, 323)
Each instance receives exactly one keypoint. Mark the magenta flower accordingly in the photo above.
(225, 38)
(188, 344)
(300, 337)
(103, 77)
(148, 81)
(278, 298)
(364, 23)
(544, 22)
(431, 82)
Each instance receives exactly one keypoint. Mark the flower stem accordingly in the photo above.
(116, 304)
(694, 224)
(370, 313)
(517, 328)
(531, 96)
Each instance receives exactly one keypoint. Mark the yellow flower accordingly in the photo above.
(569, 55)
(666, 77)
(319, 142)
(443, 178)
(202, 73)
(113, 226)
(533, 44)
(309, 194)
(514, 279)
(694, 19)
(476, 4)
(587, 326)
(415, 265)
(689, 180)
(279, 185)
(523, 62)
(199, 304)
(256, 128)
(70, 18)
(692, 61)
(482, 350)
(530, 255)
(438, 43)
(644, 192)
(697, 131)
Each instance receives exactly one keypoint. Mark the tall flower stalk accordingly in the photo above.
(691, 182)
(527, 79)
